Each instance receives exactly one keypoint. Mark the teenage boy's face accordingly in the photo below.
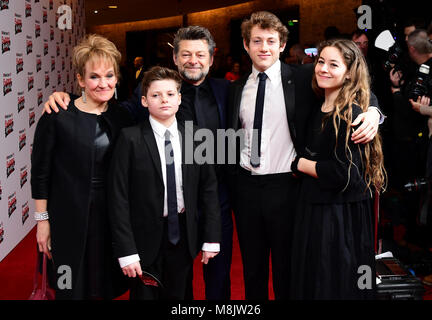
(162, 100)
(264, 47)
(193, 60)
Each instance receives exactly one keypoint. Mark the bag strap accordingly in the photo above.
(44, 274)
(36, 274)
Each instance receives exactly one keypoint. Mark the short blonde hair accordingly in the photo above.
(95, 47)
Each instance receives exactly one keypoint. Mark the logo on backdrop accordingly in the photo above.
(19, 63)
(39, 97)
(52, 63)
(28, 9)
(25, 212)
(38, 63)
(10, 164)
(1, 230)
(7, 83)
(30, 83)
(4, 4)
(21, 101)
(51, 33)
(22, 139)
(32, 117)
(47, 79)
(6, 42)
(44, 15)
(1, 191)
(9, 124)
(51, 4)
(29, 45)
(37, 29)
(18, 24)
(45, 47)
(23, 175)
(12, 204)
(58, 49)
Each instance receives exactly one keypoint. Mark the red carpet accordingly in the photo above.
(17, 269)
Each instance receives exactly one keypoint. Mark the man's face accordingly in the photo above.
(138, 62)
(408, 30)
(193, 60)
(264, 47)
(362, 42)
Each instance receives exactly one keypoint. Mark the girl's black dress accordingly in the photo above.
(333, 232)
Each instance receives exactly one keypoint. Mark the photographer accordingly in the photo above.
(420, 51)
(409, 126)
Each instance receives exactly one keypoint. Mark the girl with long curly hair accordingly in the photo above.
(333, 234)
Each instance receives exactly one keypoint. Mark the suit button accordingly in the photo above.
(289, 81)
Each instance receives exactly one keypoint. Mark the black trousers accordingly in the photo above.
(264, 210)
(172, 267)
(217, 271)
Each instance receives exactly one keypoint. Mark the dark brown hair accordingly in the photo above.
(159, 73)
(265, 20)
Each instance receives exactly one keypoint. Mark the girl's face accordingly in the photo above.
(99, 80)
(330, 70)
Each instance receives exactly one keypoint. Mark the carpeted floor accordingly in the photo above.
(17, 270)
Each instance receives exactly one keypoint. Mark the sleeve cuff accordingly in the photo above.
(211, 247)
(382, 116)
(125, 261)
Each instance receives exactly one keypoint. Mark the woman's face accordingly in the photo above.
(99, 81)
(330, 70)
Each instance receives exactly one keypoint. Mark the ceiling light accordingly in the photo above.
(112, 7)
(95, 11)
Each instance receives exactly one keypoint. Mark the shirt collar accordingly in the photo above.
(272, 73)
(160, 129)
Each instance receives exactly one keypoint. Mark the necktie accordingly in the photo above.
(199, 112)
(257, 126)
(173, 223)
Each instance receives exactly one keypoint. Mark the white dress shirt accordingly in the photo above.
(159, 134)
(277, 148)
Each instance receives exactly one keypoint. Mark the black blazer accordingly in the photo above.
(62, 169)
(136, 196)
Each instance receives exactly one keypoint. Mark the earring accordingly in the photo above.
(115, 93)
(83, 95)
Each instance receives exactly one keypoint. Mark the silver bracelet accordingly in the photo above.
(41, 216)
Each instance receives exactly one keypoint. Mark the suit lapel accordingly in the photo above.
(184, 167)
(218, 96)
(289, 95)
(148, 135)
(239, 85)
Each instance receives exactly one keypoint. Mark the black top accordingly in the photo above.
(207, 104)
(101, 146)
(338, 181)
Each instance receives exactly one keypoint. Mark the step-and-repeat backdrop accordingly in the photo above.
(37, 37)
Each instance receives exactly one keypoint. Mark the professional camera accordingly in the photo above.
(386, 42)
(422, 84)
